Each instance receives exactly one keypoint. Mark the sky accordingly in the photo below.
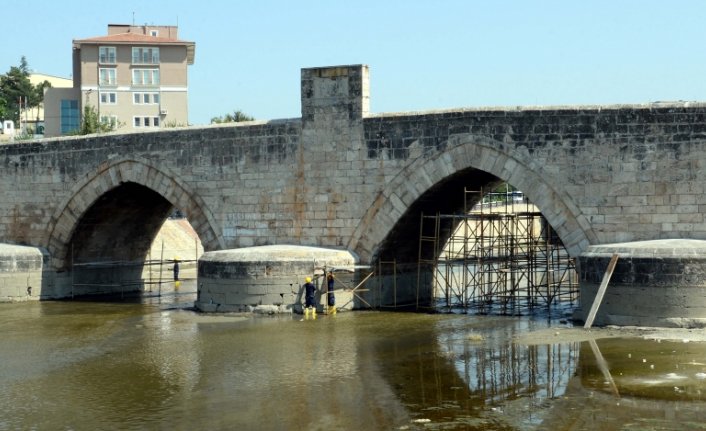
(422, 55)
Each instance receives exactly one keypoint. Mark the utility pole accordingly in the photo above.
(26, 112)
(20, 116)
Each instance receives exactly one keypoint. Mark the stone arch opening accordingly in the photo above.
(114, 215)
(113, 237)
(391, 228)
(426, 184)
(445, 197)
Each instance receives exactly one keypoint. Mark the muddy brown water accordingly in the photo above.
(151, 364)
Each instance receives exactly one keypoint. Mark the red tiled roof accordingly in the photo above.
(131, 38)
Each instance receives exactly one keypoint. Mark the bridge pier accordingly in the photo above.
(270, 279)
(655, 283)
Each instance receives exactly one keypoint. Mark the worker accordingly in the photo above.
(331, 297)
(176, 269)
(177, 283)
(309, 291)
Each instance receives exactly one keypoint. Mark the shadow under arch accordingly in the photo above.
(488, 161)
(117, 173)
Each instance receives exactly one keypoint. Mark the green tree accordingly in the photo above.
(15, 87)
(235, 117)
(173, 124)
(504, 188)
(3, 108)
(90, 123)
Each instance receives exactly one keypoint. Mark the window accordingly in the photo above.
(109, 98)
(69, 115)
(145, 55)
(107, 76)
(106, 54)
(145, 121)
(145, 76)
(140, 98)
(154, 33)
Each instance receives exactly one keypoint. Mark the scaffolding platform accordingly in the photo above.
(501, 257)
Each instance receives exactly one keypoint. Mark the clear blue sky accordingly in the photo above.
(422, 55)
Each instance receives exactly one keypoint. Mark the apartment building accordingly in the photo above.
(134, 77)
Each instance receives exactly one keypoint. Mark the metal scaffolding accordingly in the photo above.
(150, 276)
(501, 257)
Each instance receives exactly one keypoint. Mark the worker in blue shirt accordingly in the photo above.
(309, 292)
(331, 297)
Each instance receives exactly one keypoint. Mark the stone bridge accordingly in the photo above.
(342, 177)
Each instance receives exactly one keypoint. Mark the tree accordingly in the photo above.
(3, 108)
(90, 123)
(235, 117)
(15, 88)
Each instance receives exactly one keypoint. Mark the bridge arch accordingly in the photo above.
(133, 173)
(485, 161)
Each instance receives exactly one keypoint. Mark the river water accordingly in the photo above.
(152, 364)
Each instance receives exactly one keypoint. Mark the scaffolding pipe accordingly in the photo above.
(502, 256)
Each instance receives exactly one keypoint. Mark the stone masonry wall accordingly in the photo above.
(342, 178)
(599, 174)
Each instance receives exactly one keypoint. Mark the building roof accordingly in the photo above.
(55, 81)
(141, 39)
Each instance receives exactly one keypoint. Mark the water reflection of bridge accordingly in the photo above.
(476, 376)
(466, 378)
